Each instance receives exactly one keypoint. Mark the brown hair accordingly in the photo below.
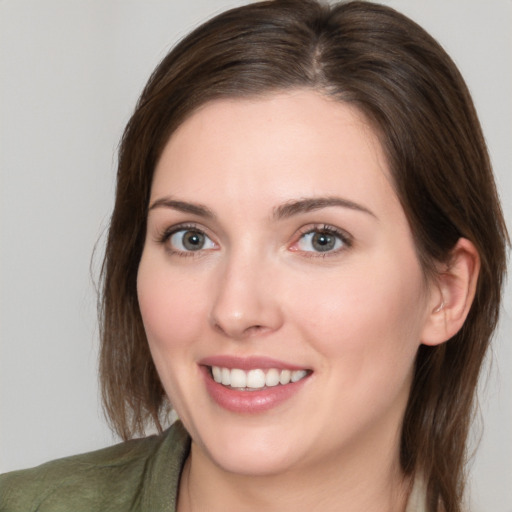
(393, 71)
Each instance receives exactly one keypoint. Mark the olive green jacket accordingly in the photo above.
(137, 476)
(140, 475)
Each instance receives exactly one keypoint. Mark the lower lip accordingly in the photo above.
(251, 402)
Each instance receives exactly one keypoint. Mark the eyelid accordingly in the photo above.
(162, 237)
(345, 237)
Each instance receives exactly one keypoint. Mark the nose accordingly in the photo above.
(246, 303)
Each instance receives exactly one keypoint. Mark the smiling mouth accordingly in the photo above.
(255, 379)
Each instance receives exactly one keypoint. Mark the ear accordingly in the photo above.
(452, 294)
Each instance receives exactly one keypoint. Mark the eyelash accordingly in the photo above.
(164, 237)
(346, 240)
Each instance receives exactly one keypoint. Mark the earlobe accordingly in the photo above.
(453, 294)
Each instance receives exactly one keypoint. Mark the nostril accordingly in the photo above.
(241, 332)
(255, 329)
(239, 314)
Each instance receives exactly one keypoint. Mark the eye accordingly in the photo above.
(322, 240)
(189, 240)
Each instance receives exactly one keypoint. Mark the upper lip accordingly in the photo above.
(248, 363)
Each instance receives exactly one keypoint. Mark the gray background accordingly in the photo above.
(70, 73)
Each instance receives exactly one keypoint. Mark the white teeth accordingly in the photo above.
(255, 379)
(238, 378)
(285, 377)
(226, 377)
(272, 378)
(297, 375)
(217, 374)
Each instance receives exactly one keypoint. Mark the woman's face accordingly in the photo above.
(279, 261)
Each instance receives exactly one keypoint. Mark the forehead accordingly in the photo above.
(279, 146)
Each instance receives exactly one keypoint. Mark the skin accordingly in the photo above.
(355, 316)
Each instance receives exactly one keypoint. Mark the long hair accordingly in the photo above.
(387, 66)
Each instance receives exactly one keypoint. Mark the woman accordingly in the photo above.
(305, 259)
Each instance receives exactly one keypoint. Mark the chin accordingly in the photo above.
(252, 462)
(249, 451)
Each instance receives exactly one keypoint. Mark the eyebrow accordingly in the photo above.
(283, 211)
(316, 203)
(182, 206)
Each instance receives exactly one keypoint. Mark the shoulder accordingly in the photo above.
(417, 501)
(84, 478)
(110, 478)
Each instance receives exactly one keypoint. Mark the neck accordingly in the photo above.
(372, 483)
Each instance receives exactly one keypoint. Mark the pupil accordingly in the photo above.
(193, 241)
(323, 242)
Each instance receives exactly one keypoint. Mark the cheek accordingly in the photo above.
(364, 312)
(170, 306)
